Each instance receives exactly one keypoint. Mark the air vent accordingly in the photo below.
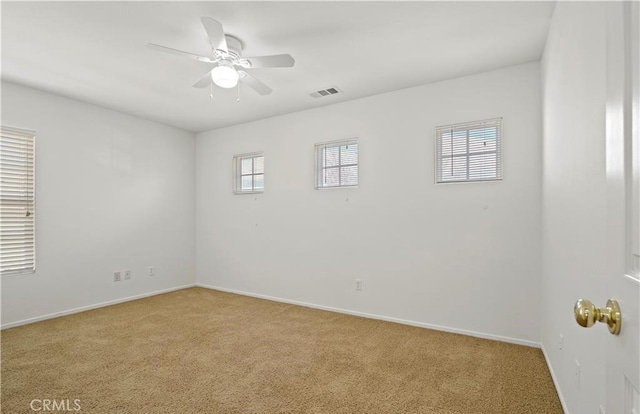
(325, 92)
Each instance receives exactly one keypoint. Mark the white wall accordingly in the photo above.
(462, 256)
(113, 192)
(574, 197)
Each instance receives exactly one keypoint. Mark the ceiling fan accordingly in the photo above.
(230, 66)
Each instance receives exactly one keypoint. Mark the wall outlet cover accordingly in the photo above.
(358, 284)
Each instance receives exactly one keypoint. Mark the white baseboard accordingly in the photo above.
(379, 317)
(555, 380)
(96, 306)
(295, 302)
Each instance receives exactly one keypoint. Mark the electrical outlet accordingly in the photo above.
(560, 342)
(152, 271)
(577, 374)
(358, 284)
(127, 274)
(116, 276)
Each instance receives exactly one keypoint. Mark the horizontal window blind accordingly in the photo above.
(469, 152)
(337, 164)
(17, 202)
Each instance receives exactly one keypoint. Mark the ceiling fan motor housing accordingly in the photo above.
(234, 45)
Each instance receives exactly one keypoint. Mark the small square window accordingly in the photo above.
(337, 164)
(248, 173)
(469, 152)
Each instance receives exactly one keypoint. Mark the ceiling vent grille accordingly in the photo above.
(325, 92)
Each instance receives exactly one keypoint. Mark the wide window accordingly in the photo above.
(469, 152)
(17, 202)
(337, 164)
(249, 173)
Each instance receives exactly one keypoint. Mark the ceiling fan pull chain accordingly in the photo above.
(238, 99)
(211, 93)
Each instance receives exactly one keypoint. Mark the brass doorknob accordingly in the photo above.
(587, 314)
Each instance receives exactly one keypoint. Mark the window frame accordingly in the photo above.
(319, 168)
(24, 133)
(237, 173)
(499, 122)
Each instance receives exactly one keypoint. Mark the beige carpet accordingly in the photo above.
(203, 351)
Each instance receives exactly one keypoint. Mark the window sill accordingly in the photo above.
(18, 274)
(335, 187)
(490, 180)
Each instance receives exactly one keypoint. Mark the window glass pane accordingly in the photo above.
(349, 175)
(246, 166)
(247, 183)
(331, 156)
(445, 169)
(349, 154)
(258, 165)
(454, 142)
(454, 169)
(445, 143)
(483, 166)
(331, 177)
(258, 182)
(482, 139)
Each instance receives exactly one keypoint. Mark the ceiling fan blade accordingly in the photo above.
(179, 52)
(204, 81)
(215, 33)
(273, 61)
(254, 83)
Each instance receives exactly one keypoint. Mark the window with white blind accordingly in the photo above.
(248, 173)
(17, 202)
(337, 164)
(469, 152)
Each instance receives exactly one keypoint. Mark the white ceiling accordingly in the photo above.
(96, 51)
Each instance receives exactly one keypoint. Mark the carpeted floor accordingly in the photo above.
(203, 351)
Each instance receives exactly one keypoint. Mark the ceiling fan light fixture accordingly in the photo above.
(225, 76)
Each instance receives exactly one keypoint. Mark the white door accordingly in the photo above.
(623, 205)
